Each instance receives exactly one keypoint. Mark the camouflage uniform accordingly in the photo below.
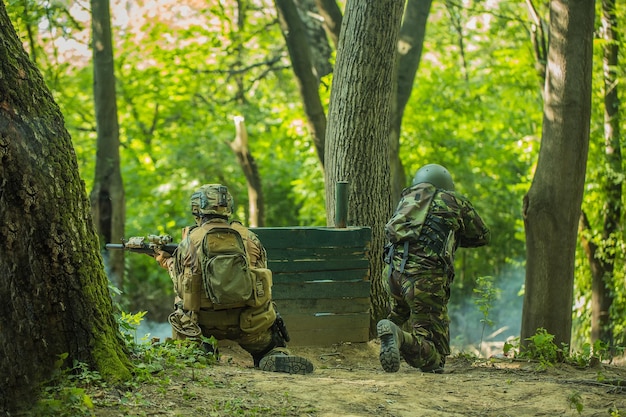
(250, 327)
(255, 326)
(424, 233)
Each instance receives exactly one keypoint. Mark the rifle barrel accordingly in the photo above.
(114, 246)
(169, 248)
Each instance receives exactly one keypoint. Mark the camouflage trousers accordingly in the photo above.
(251, 327)
(419, 304)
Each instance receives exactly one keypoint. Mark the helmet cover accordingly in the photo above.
(212, 199)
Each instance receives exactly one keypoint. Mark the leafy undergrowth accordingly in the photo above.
(181, 380)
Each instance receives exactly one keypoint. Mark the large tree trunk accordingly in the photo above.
(552, 206)
(107, 196)
(53, 292)
(359, 122)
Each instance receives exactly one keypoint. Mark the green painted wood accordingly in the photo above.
(312, 237)
(297, 254)
(312, 306)
(329, 289)
(320, 281)
(325, 321)
(347, 275)
(307, 330)
(328, 336)
(317, 265)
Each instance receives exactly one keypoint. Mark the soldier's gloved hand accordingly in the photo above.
(163, 258)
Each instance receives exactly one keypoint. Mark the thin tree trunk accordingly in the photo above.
(410, 45)
(107, 196)
(248, 165)
(602, 282)
(331, 13)
(298, 46)
(539, 40)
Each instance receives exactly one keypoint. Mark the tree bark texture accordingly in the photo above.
(107, 196)
(54, 297)
(552, 206)
(357, 139)
(298, 46)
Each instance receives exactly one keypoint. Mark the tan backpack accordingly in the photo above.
(228, 278)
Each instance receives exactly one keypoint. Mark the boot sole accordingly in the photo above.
(287, 364)
(389, 350)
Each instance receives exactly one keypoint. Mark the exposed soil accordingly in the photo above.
(348, 381)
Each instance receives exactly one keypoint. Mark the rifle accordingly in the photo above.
(279, 326)
(147, 245)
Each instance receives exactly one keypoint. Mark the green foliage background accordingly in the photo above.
(184, 71)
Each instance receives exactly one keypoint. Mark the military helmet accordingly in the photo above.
(212, 199)
(436, 175)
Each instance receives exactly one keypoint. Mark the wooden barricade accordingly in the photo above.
(321, 281)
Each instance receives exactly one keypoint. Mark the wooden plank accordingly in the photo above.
(296, 254)
(348, 275)
(321, 282)
(328, 337)
(325, 289)
(326, 330)
(326, 320)
(312, 237)
(323, 305)
(317, 265)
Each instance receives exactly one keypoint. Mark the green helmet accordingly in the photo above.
(436, 175)
(212, 199)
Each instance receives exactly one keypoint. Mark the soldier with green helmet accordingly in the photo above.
(253, 323)
(430, 222)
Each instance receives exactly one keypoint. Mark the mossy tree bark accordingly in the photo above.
(357, 139)
(54, 297)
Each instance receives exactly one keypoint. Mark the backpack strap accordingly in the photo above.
(405, 256)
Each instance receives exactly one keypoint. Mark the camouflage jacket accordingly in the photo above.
(430, 224)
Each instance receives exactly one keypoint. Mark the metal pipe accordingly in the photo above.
(341, 204)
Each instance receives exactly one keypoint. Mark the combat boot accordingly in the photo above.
(391, 340)
(280, 360)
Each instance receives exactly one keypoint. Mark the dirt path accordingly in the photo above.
(348, 381)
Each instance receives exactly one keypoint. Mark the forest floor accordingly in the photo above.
(348, 381)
